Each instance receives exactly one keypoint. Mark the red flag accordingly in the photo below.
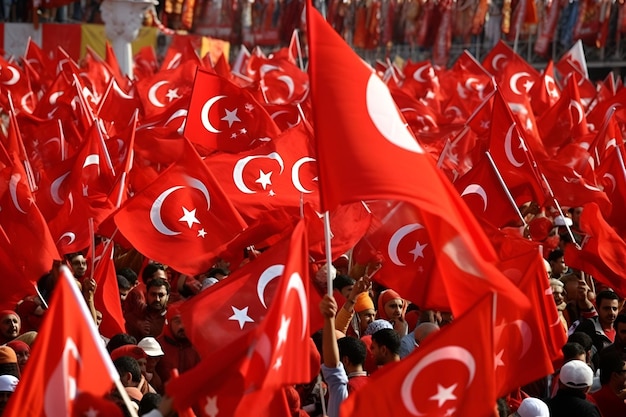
(28, 245)
(280, 173)
(450, 374)
(152, 221)
(612, 175)
(603, 252)
(68, 358)
(352, 103)
(107, 296)
(225, 117)
(545, 92)
(277, 350)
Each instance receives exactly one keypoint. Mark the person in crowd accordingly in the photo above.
(610, 398)
(532, 407)
(8, 383)
(343, 284)
(150, 318)
(178, 351)
(10, 326)
(570, 400)
(124, 287)
(22, 352)
(556, 258)
(412, 340)
(8, 362)
(619, 343)
(154, 354)
(120, 339)
(392, 307)
(357, 301)
(600, 327)
(136, 298)
(130, 376)
(386, 346)
(558, 289)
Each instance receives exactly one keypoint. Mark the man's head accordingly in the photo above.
(558, 291)
(129, 370)
(575, 213)
(8, 383)
(129, 274)
(557, 262)
(157, 294)
(120, 339)
(613, 370)
(364, 308)
(423, 330)
(576, 374)
(390, 305)
(385, 346)
(134, 352)
(123, 286)
(352, 351)
(584, 340)
(78, 264)
(176, 324)
(574, 351)
(620, 329)
(152, 271)
(607, 304)
(153, 351)
(343, 284)
(10, 325)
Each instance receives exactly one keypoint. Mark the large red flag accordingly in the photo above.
(225, 117)
(603, 252)
(68, 358)
(357, 121)
(271, 355)
(450, 374)
(188, 231)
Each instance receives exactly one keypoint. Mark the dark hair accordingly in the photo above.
(571, 350)
(125, 364)
(119, 340)
(388, 338)
(122, 283)
(129, 274)
(605, 295)
(216, 271)
(554, 255)
(149, 270)
(353, 348)
(149, 402)
(68, 257)
(621, 318)
(158, 282)
(582, 339)
(609, 363)
(341, 281)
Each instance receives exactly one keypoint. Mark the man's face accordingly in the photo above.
(378, 352)
(10, 326)
(620, 333)
(557, 293)
(345, 291)
(142, 365)
(559, 266)
(79, 266)
(366, 317)
(177, 327)
(123, 294)
(393, 308)
(607, 312)
(157, 297)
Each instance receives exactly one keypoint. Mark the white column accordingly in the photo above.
(122, 21)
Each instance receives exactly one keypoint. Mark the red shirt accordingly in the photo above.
(610, 405)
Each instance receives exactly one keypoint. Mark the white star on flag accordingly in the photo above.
(231, 117)
(91, 412)
(201, 233)
(418, 252)
(172, 94)
(264, 179)
(234, 135)
(278, 363)
(444, 394)
(249, 107)
(284, 329)
(243, 130)
(189, 217)
(211, 409)
(499, 359)
(240, 316)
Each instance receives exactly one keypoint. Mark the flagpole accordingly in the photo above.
(504, 187)
(127, 402)
(329, 264)
(558, 207)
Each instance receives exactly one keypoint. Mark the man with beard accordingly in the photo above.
(150, 318)
(179, 353)
(9, 326)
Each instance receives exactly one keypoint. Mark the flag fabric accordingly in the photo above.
(271, 355)
(107, 295)
(602, 253)
(611, 175)
(69, 357)
(356, 120)
(450, 374)
(279, 173)
(188, 230)
(225, 117)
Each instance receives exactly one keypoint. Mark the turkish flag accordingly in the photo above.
(186, 230)
(279, 77)
(526, 340)
(611, 175)
(68, 358)
(280, 173)
(484, 195)
(352, 103)
(107, 296)
(285, 116)
(225, 117)
(165, 88)
(603, 252)
(15, 83)
(545, 92)
(450, 374)
(28, 249)
(274, 353)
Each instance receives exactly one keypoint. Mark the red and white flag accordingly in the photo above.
(183, 218)
(451, 374)
(68, 358)
(107, 296)
(225, 117)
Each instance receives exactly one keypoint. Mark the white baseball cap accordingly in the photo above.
(576, 374)
(151, 346)
(533, 407)
(8, 383)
